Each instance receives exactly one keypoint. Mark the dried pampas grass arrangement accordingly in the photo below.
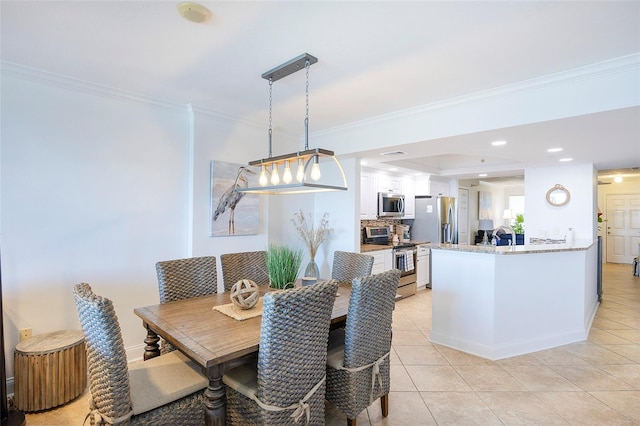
(313, 237)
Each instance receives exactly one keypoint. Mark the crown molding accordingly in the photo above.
(199, 109)
(594, 71)
(11, 69)
(598, 70)
(35, 75)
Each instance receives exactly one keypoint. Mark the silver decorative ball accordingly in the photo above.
(245, 294)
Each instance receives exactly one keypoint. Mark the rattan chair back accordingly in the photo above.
(368, 329)
(348, 265)
(110, 381)
(184, 278)
(250, 265)
(362, 374)
(292, 359)
(106, 357)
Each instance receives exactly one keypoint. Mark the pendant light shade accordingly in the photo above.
(309, 177)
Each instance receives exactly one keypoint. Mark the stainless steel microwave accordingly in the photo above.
(390, 205)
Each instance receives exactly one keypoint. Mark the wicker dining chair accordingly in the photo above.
(250, 265)
(287, 386)
(358, 355)
(348, 265)
(185, 278)
(165, 390)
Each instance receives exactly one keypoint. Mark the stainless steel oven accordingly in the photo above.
(405, 259)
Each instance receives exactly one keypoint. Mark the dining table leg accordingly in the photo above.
(152, 348)
(215, 397)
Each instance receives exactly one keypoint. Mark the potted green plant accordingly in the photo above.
(518, 228)
(518, 225)
(283, 264)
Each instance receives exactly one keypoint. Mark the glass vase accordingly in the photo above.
(312, 269)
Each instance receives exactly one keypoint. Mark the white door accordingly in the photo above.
(463, 216)
(623, 227)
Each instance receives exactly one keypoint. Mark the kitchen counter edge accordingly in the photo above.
(365, 248)
(524, 249)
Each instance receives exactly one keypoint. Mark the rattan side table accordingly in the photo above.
(50, 369)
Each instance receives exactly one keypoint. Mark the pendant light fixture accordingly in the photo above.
(308, 174)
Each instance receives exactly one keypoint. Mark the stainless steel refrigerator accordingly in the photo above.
(436, 220)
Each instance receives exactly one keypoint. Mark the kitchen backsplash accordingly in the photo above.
(378, 222)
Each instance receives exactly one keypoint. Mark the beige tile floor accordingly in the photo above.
(596, 382)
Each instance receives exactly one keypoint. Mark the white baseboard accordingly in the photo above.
(135, 353)
(511, 349)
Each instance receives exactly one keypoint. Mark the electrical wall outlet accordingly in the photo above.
(25, 333)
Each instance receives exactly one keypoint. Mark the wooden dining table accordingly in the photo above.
(212, 339)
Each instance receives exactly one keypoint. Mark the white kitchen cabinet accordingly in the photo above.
(372, 182)
(437, 187)
(388, 260)
(381, 261)
(368, 195)
(389, 183)
(422, 268)
(408, 189)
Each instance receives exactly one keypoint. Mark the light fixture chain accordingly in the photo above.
(307, 65)
(270, 109)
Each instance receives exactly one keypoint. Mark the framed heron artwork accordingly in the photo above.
(232, 212)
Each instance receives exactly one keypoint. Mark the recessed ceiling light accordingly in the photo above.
(193, 12)
(363, 162)
(393, 169)
(554, 150)
(564, 160)
(483, 175)
(617, 179)
(498, 143)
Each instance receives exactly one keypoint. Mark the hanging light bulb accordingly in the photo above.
(315, 169)
(300, 172)
(275, 177)
(286, 175)
(263, 176)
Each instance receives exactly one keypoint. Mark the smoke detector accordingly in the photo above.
(193, 12)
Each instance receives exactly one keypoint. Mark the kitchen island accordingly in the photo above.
(499, 302)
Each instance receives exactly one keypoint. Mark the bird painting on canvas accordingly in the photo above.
(230, 198)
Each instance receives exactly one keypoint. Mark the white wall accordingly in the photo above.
(218, 138)
(94, 189)
(546, 221)
(344, 212)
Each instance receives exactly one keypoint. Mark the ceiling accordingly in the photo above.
(375, 58)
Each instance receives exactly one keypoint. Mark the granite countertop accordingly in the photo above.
(365, 248)
(523, 249)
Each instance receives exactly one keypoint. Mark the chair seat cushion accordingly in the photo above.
(243, 379)
(164, 379)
